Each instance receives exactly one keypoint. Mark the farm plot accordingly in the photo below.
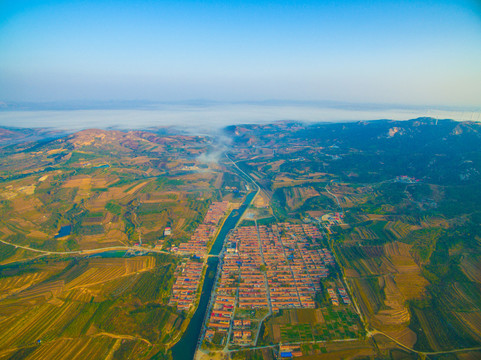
(383, 284)
(407, 274)
(365, 234)
(424, 242)
(369, 294)
(460, 303)
(91, 348)
(394, 312)
(124, 298)
(41, 322)
(398, 229)
(103, 270)
(364, 260)
(434, 336)
(471, 267)
(296, 196)
(324, 324)
(14, 284)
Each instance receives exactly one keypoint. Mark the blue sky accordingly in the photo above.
(401, 52)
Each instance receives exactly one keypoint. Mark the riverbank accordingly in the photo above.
(187, 345)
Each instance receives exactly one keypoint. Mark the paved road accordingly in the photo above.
(91, 251)
(335, 197)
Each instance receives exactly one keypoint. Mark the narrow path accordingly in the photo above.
(122, 337)
(343, 275)
(335, 197)
(377, 332)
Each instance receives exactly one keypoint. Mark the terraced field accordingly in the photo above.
(88, 309)
(383, 280)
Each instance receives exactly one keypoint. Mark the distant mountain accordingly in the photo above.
(439, 150)
(11, 135)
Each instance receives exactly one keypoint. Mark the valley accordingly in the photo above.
(329, 240)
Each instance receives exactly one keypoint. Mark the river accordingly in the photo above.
(185, 348)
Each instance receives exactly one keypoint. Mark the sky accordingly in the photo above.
(424, 53)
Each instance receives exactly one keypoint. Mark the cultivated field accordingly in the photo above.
(88, 308)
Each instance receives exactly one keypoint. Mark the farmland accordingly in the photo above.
(112, 188)
(352, 248)
(310, 325)
(91, 307)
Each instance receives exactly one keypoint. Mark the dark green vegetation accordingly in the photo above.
(410, 239)
(264, 354)
(309, 326)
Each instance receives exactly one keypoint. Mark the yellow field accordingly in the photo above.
(398, 280)
(160, 197)
(15, 284)
(37, 323)
(219, 180)
(101, 271)
(282, 181)
(260, 201)
(91, 348)
(137, 188)
(396, 313)
(24, 204)
(82, 182)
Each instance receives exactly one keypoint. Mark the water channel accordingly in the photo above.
(185, 348)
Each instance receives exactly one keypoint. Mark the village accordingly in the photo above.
(265, 269)
(262, 270)
(189, 276)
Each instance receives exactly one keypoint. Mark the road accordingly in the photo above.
(90, 251)
(425, 353)
(335, 197)
(266, 286)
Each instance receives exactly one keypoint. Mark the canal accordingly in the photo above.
(185, 348)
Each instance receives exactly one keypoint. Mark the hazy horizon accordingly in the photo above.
(207, 116)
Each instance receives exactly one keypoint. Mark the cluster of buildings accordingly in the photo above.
(197, 244)
(252, 291)
(238, 283)
(335, 219)
(187, 282)
(342, 294)
(295, 264)
(267, 267)
(222, 312)
(241, 333)
(241, 337)
(186, 285)
(406, 179)
(289, 351)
